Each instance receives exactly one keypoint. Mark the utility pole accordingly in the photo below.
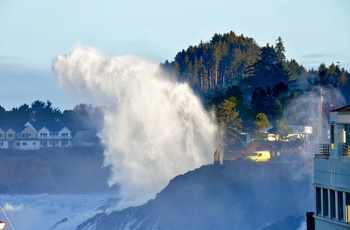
(320, 114)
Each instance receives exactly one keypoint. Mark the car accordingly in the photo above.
(259, 156)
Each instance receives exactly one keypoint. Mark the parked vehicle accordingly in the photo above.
(259, 156)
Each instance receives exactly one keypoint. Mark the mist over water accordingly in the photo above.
(154, 128)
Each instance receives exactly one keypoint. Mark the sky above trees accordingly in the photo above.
(33, 32)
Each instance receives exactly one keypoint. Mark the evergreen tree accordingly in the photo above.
(258, 100)
(4, 116)
(229, 122)
(261, 122)
(280, 50)
(20, 115)
(295, 70)
(43, 111)
(343, 78)
(217, 64)
(282, 127)
(269, 70)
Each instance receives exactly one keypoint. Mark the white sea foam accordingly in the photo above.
(46, 211)
(155, 128)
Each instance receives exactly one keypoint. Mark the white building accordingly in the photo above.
(52, 134)
(332, 175)
(35, 135)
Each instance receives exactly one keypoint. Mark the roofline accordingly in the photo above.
(346, 108)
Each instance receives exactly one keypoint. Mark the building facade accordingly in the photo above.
(35, 135)
(332, 175)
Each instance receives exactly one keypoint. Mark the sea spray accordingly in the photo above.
(154, 128)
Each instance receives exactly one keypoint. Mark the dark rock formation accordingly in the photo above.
(237, 195)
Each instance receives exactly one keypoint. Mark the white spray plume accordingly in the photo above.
(155, 128)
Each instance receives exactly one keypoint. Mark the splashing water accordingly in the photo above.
(154, 129)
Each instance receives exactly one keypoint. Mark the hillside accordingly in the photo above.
(237, 195)
(53, 170)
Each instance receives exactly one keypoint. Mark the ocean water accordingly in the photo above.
(53, 212)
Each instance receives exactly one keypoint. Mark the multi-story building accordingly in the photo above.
(35, 135)
(52, 134)
(332, 175)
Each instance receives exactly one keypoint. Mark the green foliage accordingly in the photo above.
(295, 70)
(82, 117)
(271, 101)
(43, 111)
(261, 122)
(217, 64)
(231, 125)
(269, 69)
(258, 100)
(238, 78)
(37, 111)
(282, 128)
(280, 49)
(331, 76)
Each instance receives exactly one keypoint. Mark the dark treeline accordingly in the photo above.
(250, 86)
(81, 117)
(229, 60)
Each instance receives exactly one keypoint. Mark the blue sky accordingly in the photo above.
(33, 32)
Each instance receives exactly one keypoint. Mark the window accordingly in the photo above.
(347, 203)
(44, 143)
(318, 201)
(332, 136)
(340, 206)
(24, 143)
(18, 144)
(332, 203)
(34, 143)
(64, 143)
(325, 202)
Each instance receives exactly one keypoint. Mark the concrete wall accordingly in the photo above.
(332, 173)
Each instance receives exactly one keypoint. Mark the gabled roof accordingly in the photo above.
(53, 126)
(18, 129)
(342, 109)
(5, 128)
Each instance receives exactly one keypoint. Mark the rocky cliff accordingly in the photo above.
(53, 170)
(236, 195)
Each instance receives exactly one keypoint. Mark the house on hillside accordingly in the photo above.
(7, 137)
(25, 138)
(35, 135)
(52, 134)
(332, 175)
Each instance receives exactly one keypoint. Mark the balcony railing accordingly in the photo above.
(346, 150)
(55, 137)
(324, 149)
